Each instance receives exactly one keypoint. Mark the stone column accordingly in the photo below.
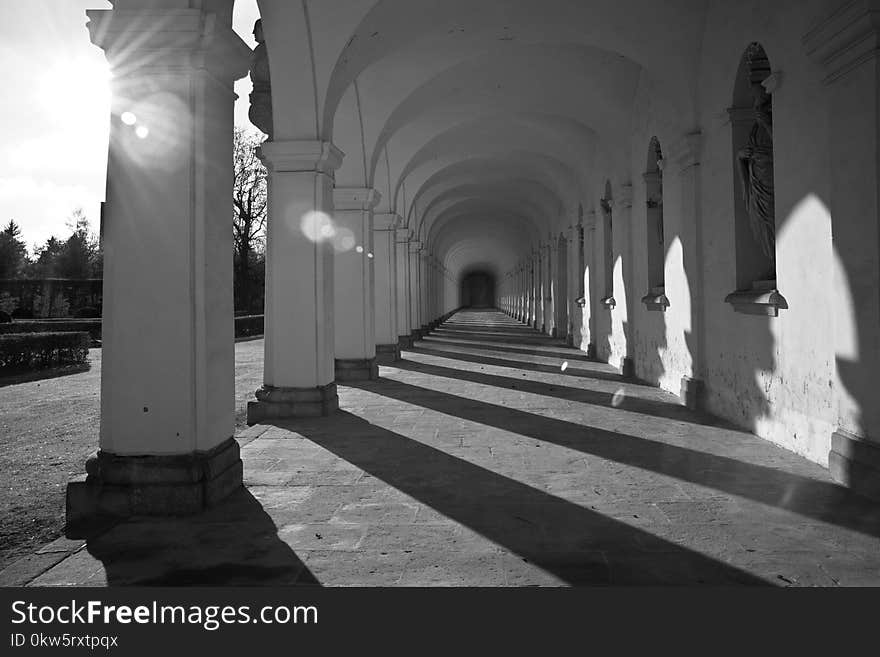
(592, 296)
(623, 203)
(167, 376)
(573, 287)
(299, 372)
(424, 287)
(354, 283)
(404, 325)
(555, 288)
(385, 249)
(431, 274)
(685, 155)
(537, 293)
(415, 315)
(847, 47)
(547, 288)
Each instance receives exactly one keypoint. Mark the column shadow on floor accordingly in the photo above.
(571, 354)
(669, 411)
(579, 546)
(574, 369)
(811, 498)
(232, 544)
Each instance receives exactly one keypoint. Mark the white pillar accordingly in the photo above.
(385, 249)
(424, 283)
(404, 326)
(415, 316)
(354, 282)
(623, 203)
(686, 156)
(573, 287)
(592, 291)
(298, 372)
(847, 47)
(167, 376)
(547, 276)
(535, 290)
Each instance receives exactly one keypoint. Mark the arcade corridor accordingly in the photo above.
(494, 455)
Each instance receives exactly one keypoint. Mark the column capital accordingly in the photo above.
(355, 198)
(300, 156)
(386, 221)
(415, 246)
(403, 235)
(845, 39)
(158, 39)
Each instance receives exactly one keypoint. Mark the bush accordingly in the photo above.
(21, 352)
(87, 312)
(248, 326)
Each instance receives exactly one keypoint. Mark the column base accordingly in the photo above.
(417, 334)
(356, 369)
(628, 368)
(855, 463)
(554, 332)
(117, 487)
(692, 393)
(569, 340)
(387, 354)
(591, 351)
(405, 342)
(279, 403)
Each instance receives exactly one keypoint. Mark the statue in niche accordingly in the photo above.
(260, 112)
(756, 175)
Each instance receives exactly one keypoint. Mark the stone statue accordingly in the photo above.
(756, 175)
(260, 112)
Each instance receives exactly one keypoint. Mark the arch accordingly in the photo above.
(477, 288)
(754, 203)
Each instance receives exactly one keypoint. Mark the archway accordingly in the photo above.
(478, 290)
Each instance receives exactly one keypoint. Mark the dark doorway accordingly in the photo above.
(478, 290)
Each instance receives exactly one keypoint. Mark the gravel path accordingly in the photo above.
(47, 430)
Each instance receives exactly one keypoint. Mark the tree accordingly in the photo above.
(248, 217)
(79, 254)
(46, 263)
(13, 251)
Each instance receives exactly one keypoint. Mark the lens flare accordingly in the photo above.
(359, 249)
(128, 118)
(317, 226)
(343, 240)
(142, 131)
(618, 398)
(564, 366)
(369, 255)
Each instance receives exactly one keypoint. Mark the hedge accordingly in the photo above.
(248, 326)
(21, 352)
(245, 327)
(91, 326)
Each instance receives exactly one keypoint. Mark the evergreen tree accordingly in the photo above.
(13, 252)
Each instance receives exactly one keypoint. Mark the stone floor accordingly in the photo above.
(494, 456)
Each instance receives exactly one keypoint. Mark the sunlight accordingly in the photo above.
(78, 88)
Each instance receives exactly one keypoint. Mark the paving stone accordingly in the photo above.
(477, 461)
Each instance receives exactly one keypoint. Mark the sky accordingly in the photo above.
(54, 113)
